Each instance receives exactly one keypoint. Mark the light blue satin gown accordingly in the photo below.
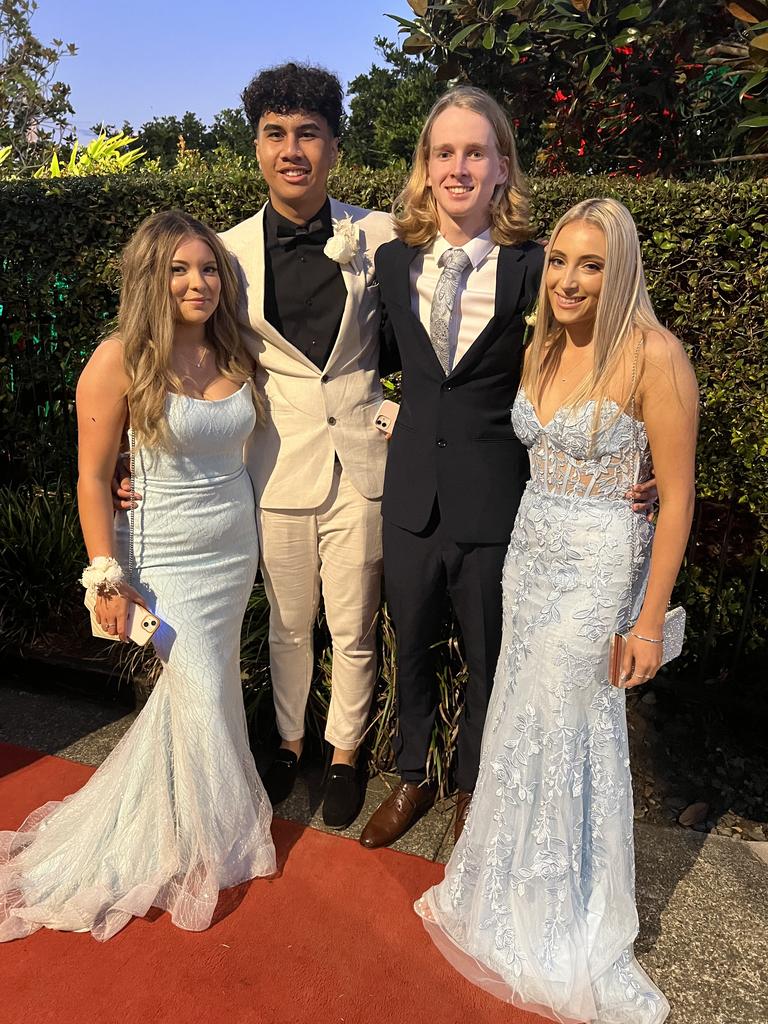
(177, 811)
(538, 903)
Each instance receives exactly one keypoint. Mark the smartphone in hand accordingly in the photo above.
(385, 417)
(139, 627)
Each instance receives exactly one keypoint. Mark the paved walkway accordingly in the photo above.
(703, 899)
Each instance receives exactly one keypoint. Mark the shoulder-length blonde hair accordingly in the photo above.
(415, 211)
(624, 312)
(146, 320)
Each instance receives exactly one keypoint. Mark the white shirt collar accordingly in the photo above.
(476, 248)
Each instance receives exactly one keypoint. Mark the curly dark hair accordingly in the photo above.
(290, 88)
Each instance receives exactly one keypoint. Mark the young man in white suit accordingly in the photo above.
(317, 461)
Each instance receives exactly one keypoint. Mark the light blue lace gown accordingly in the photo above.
(538, 904)
(177, 811)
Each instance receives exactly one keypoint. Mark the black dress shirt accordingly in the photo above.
(304, 290)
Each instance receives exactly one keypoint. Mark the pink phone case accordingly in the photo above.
(140, 627)
(385, 417)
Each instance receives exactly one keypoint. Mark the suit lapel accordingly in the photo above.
(354, 281)
(403, 296)
(509, 279)
(253, 264)
(403, 283)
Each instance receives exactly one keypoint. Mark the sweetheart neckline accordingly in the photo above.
(560, 408)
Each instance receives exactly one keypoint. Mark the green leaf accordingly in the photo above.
(515, 31)
(756, 79)
(402, 22)
(560, 26)
(489, 37)
(754, 122)
(596, 72)
(459, 38)
(758, 49)
(634, 12)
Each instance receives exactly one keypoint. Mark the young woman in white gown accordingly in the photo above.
(177, 811)
(537, 905)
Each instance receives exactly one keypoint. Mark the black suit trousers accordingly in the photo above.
(420, 570)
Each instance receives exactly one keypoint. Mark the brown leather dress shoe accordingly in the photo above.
(402, 808)
(463, 800)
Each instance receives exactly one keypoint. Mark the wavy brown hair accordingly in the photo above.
(415, 210)
(146, 321)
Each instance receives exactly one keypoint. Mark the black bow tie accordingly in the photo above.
(313, 234)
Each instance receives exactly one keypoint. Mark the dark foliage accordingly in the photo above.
(705, 248)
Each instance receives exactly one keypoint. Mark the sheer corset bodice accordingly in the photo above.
(566, 460)
(537, 905)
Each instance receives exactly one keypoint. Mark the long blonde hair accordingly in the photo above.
(146, 320)
(415, 211)
(624, 311)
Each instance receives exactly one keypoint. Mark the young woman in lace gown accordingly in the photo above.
(537, 905)
(177, 811)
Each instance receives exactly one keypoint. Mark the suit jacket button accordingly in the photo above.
(324, 379)
(442, 443)
(449, 387)
(332, 420)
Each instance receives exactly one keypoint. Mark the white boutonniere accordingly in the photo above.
(344, 244)
(530, 321)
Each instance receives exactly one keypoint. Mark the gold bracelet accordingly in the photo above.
(648, 639)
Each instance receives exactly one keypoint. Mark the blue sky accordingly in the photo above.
(138, 59)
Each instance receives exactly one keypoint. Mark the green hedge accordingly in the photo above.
(705, 248)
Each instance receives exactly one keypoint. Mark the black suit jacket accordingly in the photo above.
(453, 438)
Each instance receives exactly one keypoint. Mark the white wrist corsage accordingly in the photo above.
(344, 244)
(103, 576)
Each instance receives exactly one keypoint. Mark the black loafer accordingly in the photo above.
(281, 776)
(343, 796)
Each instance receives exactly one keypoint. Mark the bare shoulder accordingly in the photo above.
(667, 368)
(664, 352)
(105, 370)
(662, 346)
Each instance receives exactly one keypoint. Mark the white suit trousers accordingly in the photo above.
(336, 546)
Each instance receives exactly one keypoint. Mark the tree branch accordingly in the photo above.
(726, 159)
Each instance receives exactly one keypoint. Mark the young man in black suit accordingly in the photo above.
(455, 285)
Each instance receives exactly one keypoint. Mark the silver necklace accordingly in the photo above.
(570, 372)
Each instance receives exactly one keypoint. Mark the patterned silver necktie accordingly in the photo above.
(455, 262)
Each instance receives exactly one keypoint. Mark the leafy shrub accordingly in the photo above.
(705, 247)
(41, 557)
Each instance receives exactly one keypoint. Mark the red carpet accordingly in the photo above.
(332, 940)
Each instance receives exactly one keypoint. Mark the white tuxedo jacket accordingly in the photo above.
(313, 414)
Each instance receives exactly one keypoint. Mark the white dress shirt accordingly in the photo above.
(476, 298)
